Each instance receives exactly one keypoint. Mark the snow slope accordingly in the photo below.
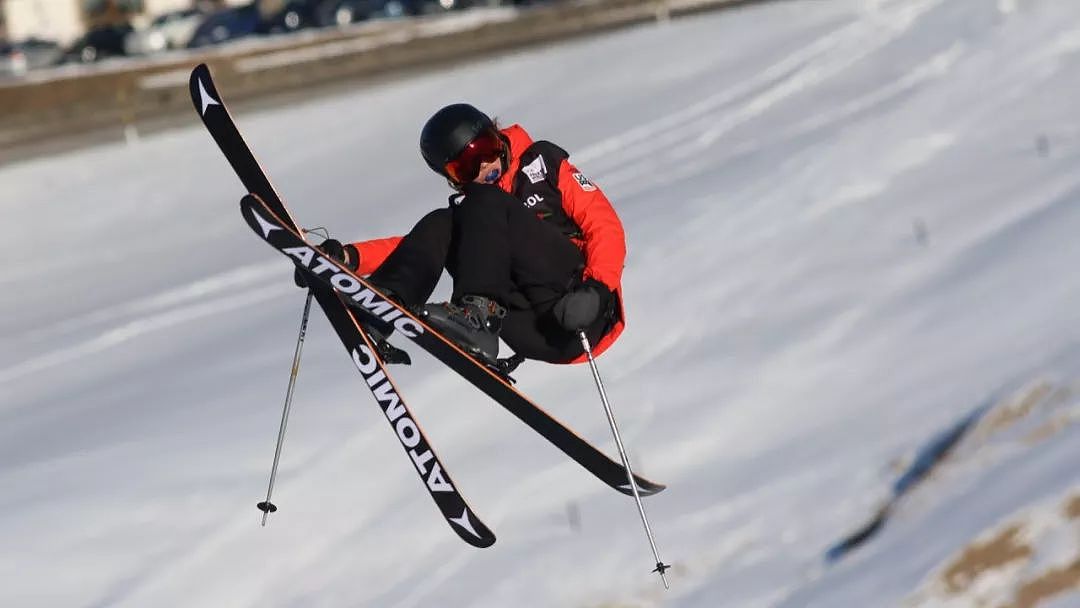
(850, 222)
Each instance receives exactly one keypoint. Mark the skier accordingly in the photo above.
(535, 249)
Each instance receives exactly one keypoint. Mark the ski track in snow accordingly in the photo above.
(769, 164)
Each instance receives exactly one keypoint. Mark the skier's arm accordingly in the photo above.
(604, 239)
(374, 252)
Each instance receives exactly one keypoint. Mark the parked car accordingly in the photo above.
(343, 12)
(288, 16)
(99, 43)
(171, 30)
(17, 58)
(226, 24)
(336, 12)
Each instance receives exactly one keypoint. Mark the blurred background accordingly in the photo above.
(853, 340)
(41, 33)
(75, 69)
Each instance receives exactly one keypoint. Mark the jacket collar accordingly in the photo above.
(519, 141)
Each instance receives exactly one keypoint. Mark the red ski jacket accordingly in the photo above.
(564, 197)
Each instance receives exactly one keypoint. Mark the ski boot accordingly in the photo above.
(379, 331)
(473, 325)
(388, 353)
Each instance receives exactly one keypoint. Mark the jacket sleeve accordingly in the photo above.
(603, 236)
(374, 252)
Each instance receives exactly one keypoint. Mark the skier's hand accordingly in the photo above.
(579, 308)
(332, 248)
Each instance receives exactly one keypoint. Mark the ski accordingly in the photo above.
(214, 114)
(436, 479)
(365, 299)
(361, 349)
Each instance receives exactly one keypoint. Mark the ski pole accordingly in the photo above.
(266, 506)
(661, 567)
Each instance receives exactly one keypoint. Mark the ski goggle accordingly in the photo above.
(485, 148)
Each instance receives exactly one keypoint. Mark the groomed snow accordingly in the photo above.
(849, 222)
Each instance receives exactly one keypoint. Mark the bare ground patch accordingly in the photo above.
(1011, 556)
(980, 557)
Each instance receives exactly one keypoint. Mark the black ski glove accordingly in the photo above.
(332, 248)
(579, 308)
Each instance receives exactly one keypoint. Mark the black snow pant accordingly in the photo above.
(494, 246)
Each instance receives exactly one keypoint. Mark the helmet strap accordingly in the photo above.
(505, 156)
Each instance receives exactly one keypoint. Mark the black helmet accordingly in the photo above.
(448, 131)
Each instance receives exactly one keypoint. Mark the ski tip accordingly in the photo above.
(651, 488)
(471, 530)
(479, 536)
(199, 73)
(644, 487)
(253, 200)
(203, 94)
